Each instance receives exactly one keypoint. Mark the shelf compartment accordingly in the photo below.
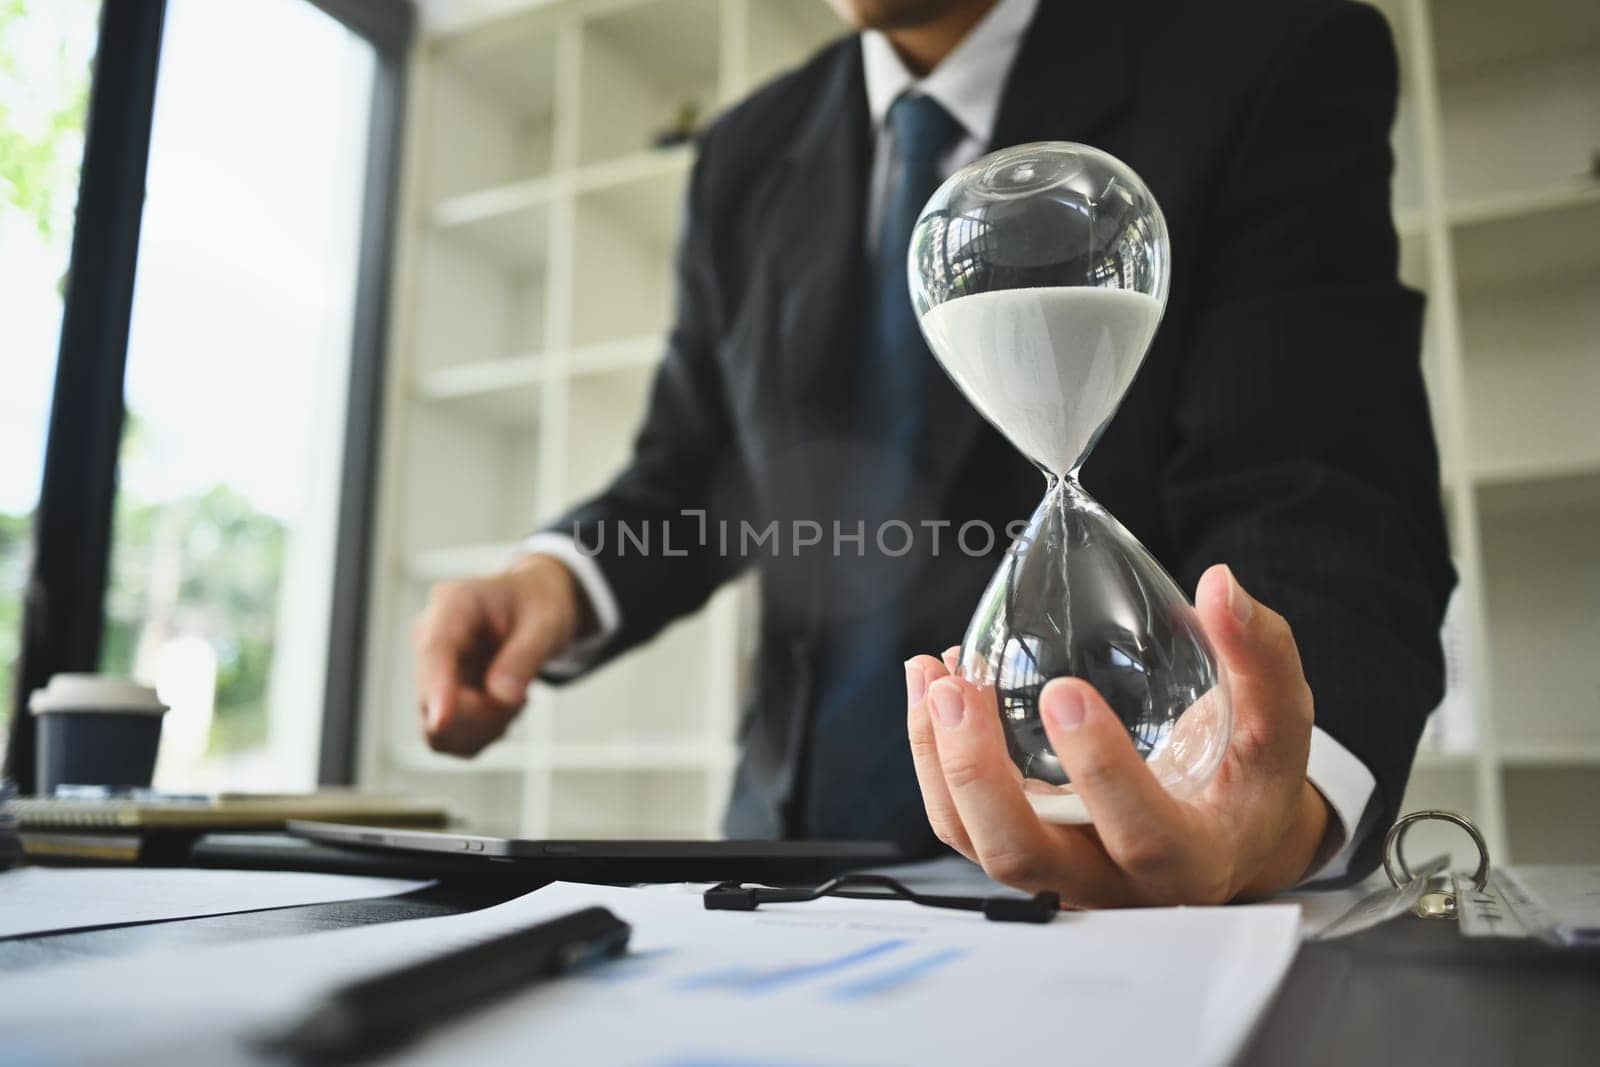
(1527, 239)
(508, 390)
(488, 376)
(1549, 814)
(502, 391)
(623, 255)
(473, 308)
(670, 165)
(650, 699)
(468, 481)
(508, 227)
(490, 109)
(1518, 86)
(634, 353)
(1551, 492)
(495, 203)
(640, 65)
(1564, 754)
(1541, 591)
(1524, 203)
(1532, 370)
(605, 409)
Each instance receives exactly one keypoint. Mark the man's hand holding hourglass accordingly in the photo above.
(1256, 829)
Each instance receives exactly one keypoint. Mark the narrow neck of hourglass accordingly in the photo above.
(1066, 490)
(1063, 482)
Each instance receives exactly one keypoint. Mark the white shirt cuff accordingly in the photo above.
(607, 614)
(1347, 785)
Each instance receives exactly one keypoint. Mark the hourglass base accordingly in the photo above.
(1057, 804)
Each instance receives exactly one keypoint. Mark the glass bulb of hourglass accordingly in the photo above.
(1039, 274)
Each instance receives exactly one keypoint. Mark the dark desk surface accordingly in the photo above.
(1410, 993)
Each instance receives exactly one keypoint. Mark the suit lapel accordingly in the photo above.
(819, 247)
(1068, 79)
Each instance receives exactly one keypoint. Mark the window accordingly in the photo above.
(238, 369)
(46, 47)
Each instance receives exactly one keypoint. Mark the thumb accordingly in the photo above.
(525, 650)
(1258, 652)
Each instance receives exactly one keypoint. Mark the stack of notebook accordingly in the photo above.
(154, 827)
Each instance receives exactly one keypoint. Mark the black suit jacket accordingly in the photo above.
(1279, 423)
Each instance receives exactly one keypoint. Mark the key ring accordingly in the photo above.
(1394, 864)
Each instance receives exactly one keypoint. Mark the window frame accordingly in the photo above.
(64, 599)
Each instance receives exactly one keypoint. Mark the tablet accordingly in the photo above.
(623, 860)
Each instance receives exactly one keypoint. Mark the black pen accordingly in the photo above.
(378, 1013)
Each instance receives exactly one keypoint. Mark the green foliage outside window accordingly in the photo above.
(209, 564)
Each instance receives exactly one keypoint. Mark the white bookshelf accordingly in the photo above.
(532, 300)
(1500, 215)
(534, 289)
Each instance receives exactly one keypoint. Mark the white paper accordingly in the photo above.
(35, 900)
(829, 982)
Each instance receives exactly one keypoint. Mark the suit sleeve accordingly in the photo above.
(1305, 456)
(651, 531)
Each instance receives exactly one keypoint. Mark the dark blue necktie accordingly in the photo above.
(894, 355)
(858, 778)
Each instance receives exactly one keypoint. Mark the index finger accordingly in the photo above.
(442, 642)
(922, 671)
(1010, 842)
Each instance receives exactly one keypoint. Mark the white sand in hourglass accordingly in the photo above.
(1047, 366)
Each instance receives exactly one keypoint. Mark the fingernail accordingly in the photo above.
(1239, 601)
(507, 689)
(1066, 707)
(947, 706)
(916, 683)
(435, 713)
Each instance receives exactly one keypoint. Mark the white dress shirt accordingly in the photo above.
(968, 83)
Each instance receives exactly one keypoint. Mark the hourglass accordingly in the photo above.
(1039, 274)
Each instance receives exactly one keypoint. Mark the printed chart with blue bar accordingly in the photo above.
(876, 969)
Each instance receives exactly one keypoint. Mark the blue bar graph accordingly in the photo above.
(897, 977)
(756, 980)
